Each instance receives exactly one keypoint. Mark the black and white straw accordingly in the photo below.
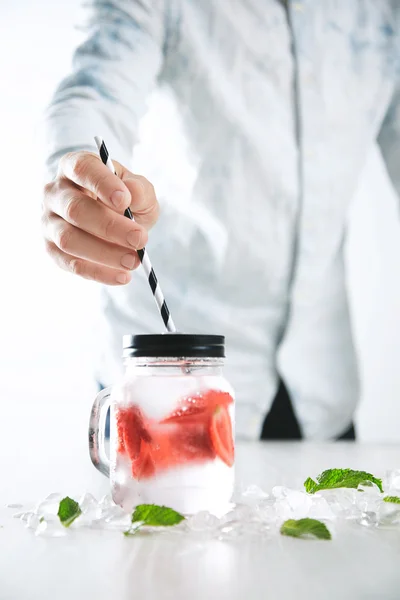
(144, 257)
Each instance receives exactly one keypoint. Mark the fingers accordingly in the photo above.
(80, 244)
(87, 171)
(144, 204)
(86, 269)
(85, 229)
(78, 209)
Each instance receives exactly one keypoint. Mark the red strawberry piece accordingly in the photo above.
(195, 408)
(163, 449)
(192, 442)
(132, 437)
(148, 468)
(189, 412)
(133, 430)
(221, 435)
(214, 398)
(143, 467)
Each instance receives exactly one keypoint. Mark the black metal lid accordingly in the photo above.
(174, 345)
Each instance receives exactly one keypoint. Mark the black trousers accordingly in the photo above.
(281, 422)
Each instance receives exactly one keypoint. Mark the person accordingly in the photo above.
(281, 103)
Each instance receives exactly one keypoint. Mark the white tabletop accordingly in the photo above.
(359, 563)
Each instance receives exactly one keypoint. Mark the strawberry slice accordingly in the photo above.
(143, 467)
(192, 443)
(215, 398)
(196, 408)
(132, 437)
(131, 431)
(188, 413)
(148, 467)
(162, 449)
(221, 435)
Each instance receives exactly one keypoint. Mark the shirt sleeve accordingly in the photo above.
(389, 140)
(114, 71)
(389, 135)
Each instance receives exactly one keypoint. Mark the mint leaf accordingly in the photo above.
(394, 499)
(68, 511)
(310, 485)
(303, 528)
(340, 478)
(156, 516)
(153, 516)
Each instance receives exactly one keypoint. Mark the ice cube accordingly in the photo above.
(320, 509)
(279, 491)
(342, 502)
(88, 502)
(368, 502)
(299, 501)
(230, 531)
(91, 510)
(103, 515)
(50, 505)
(114, 512)
(369, 488)
(237, 530)
(266, 513)
(293, 505)
(54, 497)
(203, 521)
(242, 520)
(254, 493)
(392, 483)
(389, 514)
(109, 510)
(368, 519)
(32, 521)
(106, 502)
(240, 513)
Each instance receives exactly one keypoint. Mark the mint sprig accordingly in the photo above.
(393, 499)
(68, 511)
(340, 478)
(304, 528)
(153, 516)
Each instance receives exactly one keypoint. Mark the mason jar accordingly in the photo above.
(171, 425)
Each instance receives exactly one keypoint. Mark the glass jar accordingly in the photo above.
(172, 425)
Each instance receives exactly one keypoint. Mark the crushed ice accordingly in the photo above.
(256, 513)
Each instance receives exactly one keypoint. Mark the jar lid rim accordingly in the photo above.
(174, 345)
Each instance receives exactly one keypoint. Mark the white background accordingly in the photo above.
(47, 326)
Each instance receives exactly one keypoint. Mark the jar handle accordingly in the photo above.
(97, 426)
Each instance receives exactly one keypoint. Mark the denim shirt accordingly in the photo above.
(280, 104)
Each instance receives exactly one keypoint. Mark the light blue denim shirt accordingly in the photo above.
(280, 109)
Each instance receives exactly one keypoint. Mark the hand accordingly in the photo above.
(84, 226)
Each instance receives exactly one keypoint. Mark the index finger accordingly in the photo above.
(87, 170)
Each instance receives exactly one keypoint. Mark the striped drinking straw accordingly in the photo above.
(144, 257)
